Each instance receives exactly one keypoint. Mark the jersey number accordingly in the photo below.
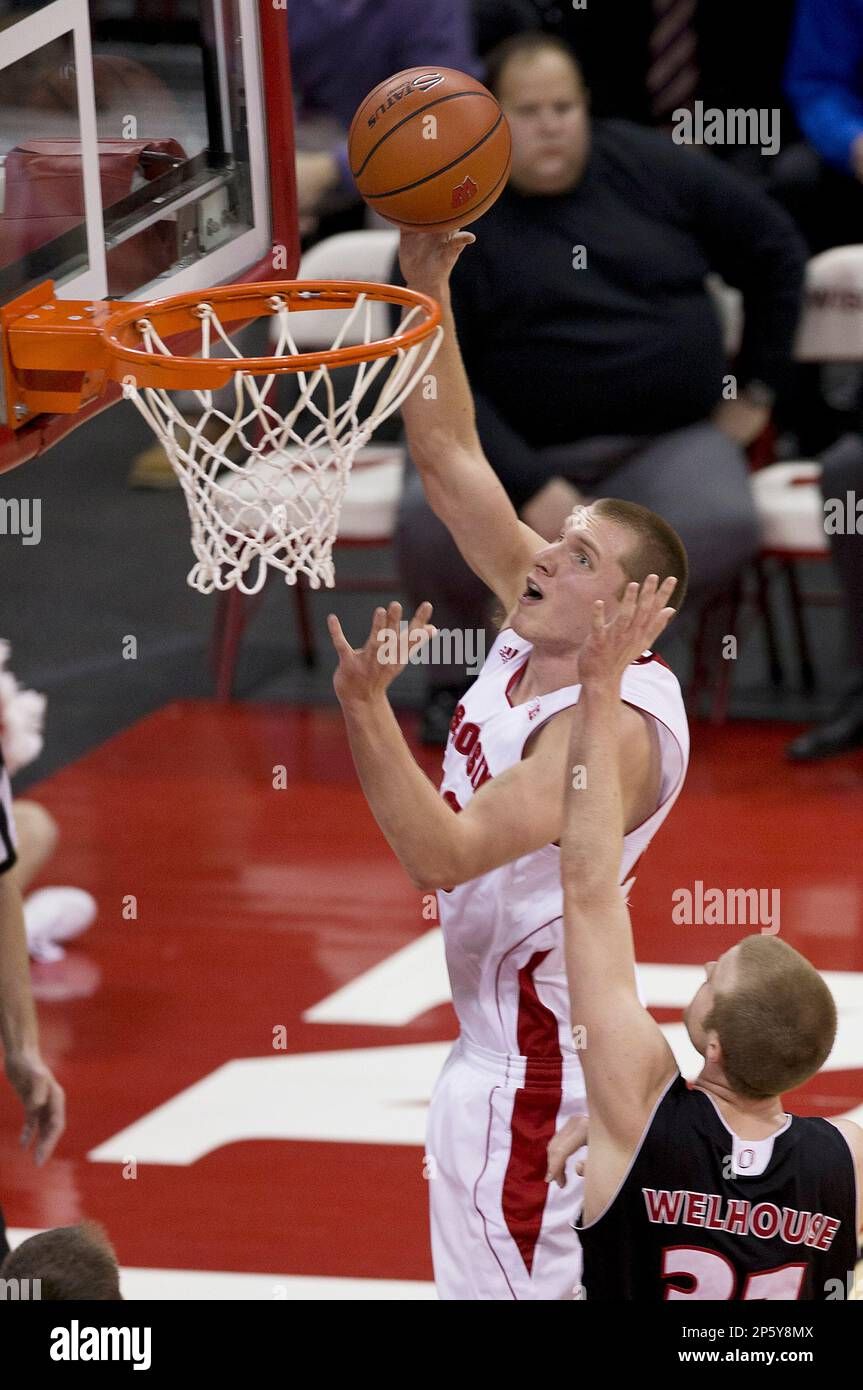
(715, 1278)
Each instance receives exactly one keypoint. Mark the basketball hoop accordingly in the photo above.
(264, 482)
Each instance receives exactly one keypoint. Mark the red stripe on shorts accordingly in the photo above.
(534, 1115)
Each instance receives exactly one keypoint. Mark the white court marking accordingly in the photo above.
(208, 1285)
(379, 1095)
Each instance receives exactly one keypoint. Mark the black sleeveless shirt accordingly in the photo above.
(7, 847)
(704, 1214)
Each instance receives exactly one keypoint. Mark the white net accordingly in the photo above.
(265, 484)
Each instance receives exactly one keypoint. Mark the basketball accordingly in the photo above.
(429, 149)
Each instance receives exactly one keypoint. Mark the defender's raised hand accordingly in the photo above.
(612, 646)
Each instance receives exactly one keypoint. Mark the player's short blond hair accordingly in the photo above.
(776, 1026)
(656, 549)
(71, 1263)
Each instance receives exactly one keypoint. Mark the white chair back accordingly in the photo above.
(831, 327)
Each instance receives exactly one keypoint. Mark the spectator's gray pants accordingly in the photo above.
(696, 478)
(842, 473)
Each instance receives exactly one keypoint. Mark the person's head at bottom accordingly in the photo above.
(764, 1020)
(71, 1263)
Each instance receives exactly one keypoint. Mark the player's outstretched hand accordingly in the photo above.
(366, 671)
(611, 646)
(567, 1141)
(427, 258)
(43, 1100)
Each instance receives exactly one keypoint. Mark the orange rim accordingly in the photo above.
(243, 303)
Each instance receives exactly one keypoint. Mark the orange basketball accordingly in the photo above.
(430, 149)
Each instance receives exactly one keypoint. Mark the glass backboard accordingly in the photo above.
(146, 149)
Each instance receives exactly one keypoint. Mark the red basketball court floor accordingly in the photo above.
(249, 1035)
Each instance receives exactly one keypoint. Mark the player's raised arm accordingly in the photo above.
(460, 484)
(625, 1056)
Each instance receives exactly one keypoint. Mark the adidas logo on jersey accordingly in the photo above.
(507, 653)
(533, 710)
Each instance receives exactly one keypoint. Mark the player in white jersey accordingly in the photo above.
(499, 1231)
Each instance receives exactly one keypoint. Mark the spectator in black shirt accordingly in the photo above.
(592, 344)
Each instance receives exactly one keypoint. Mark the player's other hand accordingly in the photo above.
(427, 258)
(611, 646)
(43, 1100)
(366, 671)
(566, 1142)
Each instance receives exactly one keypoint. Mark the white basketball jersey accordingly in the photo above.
(504, 930)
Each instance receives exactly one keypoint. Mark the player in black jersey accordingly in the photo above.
(703, 1189)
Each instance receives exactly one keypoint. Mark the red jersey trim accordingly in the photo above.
(516, 676)
(534, 1115)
